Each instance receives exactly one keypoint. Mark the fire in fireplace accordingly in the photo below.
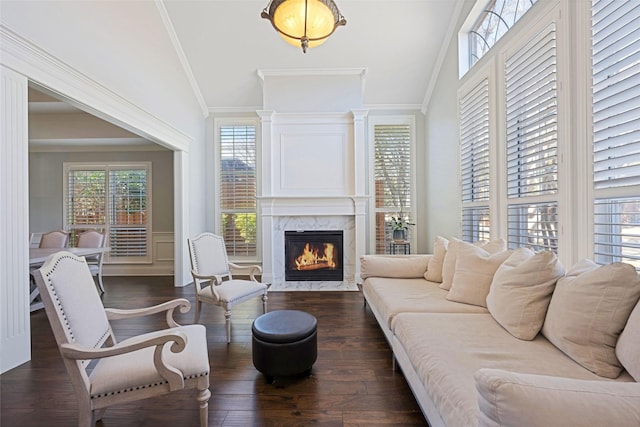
(313, 255)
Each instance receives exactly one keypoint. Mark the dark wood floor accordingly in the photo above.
(352, 383)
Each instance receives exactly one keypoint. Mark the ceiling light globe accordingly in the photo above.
(304, 22)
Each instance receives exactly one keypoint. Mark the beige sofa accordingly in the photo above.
(532, 345)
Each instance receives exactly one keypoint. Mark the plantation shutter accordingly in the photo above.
(616, 130)
(474, 162)
(393, 177)
(85, 201)
(238, 180)
(128, 208)
(532, 127)
(113, 198)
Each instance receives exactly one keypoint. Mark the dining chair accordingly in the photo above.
(105, 372)
(94, 239)
(54, 239)
(211, 271)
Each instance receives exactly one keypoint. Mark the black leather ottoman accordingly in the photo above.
(284, 343)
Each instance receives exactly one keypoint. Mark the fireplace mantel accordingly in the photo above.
(313, 205)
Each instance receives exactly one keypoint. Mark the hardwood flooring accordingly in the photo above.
(352, 383)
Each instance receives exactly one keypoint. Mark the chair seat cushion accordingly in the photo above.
(136, 370)
(235, 291)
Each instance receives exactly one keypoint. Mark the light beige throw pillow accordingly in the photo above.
(521, 290)
(589, 308)
(474, 272)
(527, 400)
(628, 346)
(449, 264)
(434, 269)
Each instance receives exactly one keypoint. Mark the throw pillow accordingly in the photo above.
(527, 400)
(628, 346)
(521, 290)
(449, 264)
(588, 310)
(474, 272)
(434, 269)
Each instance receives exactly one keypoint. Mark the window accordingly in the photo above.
(497, 17)
(474, 162)
(114, 198)
(616, 131)
(532, 143)
(393, 176)
(237, 196)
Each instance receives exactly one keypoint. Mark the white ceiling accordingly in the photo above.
(223, 43)
(399, 42)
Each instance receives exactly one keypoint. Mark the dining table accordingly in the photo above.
(38, 256)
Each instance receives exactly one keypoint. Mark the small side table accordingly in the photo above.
(404, 244)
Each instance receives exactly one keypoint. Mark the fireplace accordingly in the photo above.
(313, 255)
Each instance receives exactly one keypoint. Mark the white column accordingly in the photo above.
(266, 189)
(182, 265)
(15, 338)
(359, 151)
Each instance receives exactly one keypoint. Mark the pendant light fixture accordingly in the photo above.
(306, 23)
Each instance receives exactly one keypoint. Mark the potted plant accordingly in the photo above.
(399, 225)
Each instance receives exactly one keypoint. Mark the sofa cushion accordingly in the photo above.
(434, 269)
(628, 346)
(446, 350)
(588, 310)
(474, 272)
(525, 400)
(521, 290)
(390, 297)
(398, 266)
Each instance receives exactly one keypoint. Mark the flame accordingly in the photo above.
(311, 257)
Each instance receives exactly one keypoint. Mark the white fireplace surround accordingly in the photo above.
(313, 178)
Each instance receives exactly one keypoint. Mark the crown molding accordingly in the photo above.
(81, 91)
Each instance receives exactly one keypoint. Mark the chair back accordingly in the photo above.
(54, 239)
(208, 255)
(91, 239)
(72, 303)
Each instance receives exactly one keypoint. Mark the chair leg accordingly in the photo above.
(196, 316)
(203, 400)
(227, 321)
(264, 303)
(100, 284)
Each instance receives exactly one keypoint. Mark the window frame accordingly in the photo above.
(107, 168)
(382, 120)
(470, 223)
(218, 124)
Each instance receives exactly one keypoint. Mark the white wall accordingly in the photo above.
(442, 158)
(115, 60)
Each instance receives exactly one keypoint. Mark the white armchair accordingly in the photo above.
(147, 365)
(211, 271)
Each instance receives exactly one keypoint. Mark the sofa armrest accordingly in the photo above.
(527, 400)
(395, 266)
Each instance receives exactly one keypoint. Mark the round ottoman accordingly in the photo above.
(284, 342)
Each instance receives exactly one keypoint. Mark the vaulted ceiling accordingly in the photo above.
(223, 43)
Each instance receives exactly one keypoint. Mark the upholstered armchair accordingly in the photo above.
(214, 282)
(147, 365)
